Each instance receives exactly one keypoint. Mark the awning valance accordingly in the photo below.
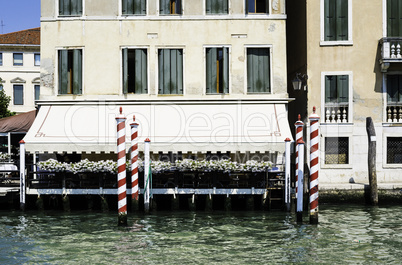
(186, 127)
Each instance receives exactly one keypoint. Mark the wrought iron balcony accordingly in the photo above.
(390, 52)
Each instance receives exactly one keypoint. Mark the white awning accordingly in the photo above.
(196, 126)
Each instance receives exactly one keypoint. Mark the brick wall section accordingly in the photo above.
(27, 37)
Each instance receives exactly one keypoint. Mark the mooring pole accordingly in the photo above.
(299, 137)
(314, 165)
(372, 145)
(300, 181)
(121, 169)
(134, 164)
(22, 175)
(287, 174)
(147, 181)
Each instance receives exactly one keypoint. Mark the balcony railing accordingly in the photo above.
(394, 113)
(390, 51)
(336, 113)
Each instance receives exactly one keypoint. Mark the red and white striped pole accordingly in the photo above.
(287, 173)
(121, 168)
(134, 164)
(314, 159)
(299, 137)
(147, 182)
(300, 180)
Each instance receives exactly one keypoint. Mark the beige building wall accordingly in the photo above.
(102, 32)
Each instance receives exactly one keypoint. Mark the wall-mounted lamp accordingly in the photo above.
(298, 81)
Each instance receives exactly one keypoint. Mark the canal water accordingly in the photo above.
(355, 234)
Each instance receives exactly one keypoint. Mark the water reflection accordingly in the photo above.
(345, 234)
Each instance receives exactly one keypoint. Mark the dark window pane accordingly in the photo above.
(336, 150)
(394, 150)
(18, 94)
(18, 58)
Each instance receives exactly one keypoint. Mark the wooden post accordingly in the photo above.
(121, 167)
(287, 174)
(147, 181)
(22, 175)
(372, 161)
(300, 180)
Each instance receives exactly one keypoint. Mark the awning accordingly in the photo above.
(190, 126)
(18, 123)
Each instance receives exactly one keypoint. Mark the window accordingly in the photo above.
(1, 58)
(394, 150)
(170, 7)
(257, 6)
(1, 87)
(394, 18)
(336, 18)
(18, 59)
(37, 91)
(336, 98)
(37, 59)
(134, 7)
(18, 94)
(135, 71)
(216, 6)
(394, 98)
(258, 70)
(336, 150)
(70, 71)
(70, 7)
(217, 70)
(170, 71)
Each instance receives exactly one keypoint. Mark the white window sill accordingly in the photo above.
(336, 43)
(392, 166)
(336, 166)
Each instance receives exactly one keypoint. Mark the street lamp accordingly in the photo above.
(298, 81)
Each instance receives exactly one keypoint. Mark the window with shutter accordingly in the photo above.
(337, 98)
(170, 71)
(170, 7)
(394, 18)
(336, 19)
(134, 7)
(70, 7)
(394, 89)
(18, 94)
(135, 78)
(216, 7)
(258, 70)
(217, 70)
(70, 71)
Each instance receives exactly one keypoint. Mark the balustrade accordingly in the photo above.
(394, 114)
(336, 114)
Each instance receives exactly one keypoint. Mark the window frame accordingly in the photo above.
(270, 48)
(57, 73)
(22, 59)
(385, 95)
(183, 70)
(170, 14)
(22, 94)
(337, 130)
(350, 95)
(268, 9)
(349, 41)
(147, 70)
(132, 15)
(229, 68)
(215, 14)
(35, 86)
(35, 55)
(69, 15)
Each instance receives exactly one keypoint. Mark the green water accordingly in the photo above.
(345, 235)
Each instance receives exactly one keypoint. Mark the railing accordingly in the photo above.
(394, 113)
(391, 48)
(336, 113)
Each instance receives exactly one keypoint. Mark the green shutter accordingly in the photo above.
(212, 70)
(124, 7)
(173, 72)
(140, 71)
(330, 89)
(63, 71)
(208, 70)
(343, 88)
(166, 72)
(139, 7)
(179, 75)
(164, 7)
(246, 7)
(393, 18)
(125, 70)
(342, 20)
(208, 6)
(250, 86)
(77, 72)
(225, 70)
(267, 6)
(329, 20)
(61, 7)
